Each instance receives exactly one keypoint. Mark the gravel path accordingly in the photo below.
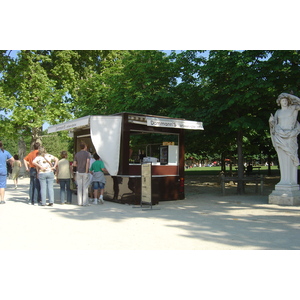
(205, 220)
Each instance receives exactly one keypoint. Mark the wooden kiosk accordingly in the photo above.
(111, 137)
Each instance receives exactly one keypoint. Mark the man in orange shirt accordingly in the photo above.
(34, 189)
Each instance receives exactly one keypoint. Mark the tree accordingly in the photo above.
(148, 78)
(136, 81)
(30, 96)
(55, 143)
(92, 94)
(235, 95)
(231, 92)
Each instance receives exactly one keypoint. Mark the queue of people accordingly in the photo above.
(87, 171)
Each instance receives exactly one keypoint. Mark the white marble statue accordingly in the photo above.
(284, 129)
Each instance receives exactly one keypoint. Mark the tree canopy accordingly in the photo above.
(231, 92)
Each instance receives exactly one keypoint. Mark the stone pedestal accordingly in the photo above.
(285, 195)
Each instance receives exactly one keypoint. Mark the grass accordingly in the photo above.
(216, 171)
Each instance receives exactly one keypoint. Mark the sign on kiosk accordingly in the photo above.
(171, 123)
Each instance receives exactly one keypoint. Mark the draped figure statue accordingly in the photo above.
(284, 129)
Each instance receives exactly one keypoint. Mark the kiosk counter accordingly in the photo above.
(126, 140)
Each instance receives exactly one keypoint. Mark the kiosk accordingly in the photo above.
(125, 140)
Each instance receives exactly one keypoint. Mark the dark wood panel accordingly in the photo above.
(156, 170)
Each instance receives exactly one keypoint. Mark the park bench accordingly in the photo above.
(256, 179)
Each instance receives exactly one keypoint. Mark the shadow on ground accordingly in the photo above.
(235, 221)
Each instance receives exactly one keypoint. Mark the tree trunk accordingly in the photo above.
(240, 186)
(35, 136)
(22, 153)
(223, 168)
(22, 148)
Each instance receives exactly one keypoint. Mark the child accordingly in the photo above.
(97, 170)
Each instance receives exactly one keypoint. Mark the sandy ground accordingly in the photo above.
(204, 220)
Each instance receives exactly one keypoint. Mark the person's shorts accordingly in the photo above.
(98, 185)
(3, 181)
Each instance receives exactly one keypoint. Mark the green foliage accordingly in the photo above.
(140, 82)
(88, 87)
(55, 143)
(229, 91)
(30, 95)
(11, 145)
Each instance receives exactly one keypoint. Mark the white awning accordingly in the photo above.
(81, 122)
(106, 138)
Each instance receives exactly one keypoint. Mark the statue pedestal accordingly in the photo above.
(285, 195)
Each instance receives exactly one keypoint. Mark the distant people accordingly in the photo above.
(16, 166)
(82, 164)
(97, 170)
(46, 164)
(142, 155)
(64, 174)
(34, 188)
(249, 169)
(4, 157)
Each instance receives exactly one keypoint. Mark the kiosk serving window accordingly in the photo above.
(160, 149)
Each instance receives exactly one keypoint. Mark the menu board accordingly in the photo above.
(146, 184)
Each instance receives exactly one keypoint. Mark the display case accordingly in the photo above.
(168, 155)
